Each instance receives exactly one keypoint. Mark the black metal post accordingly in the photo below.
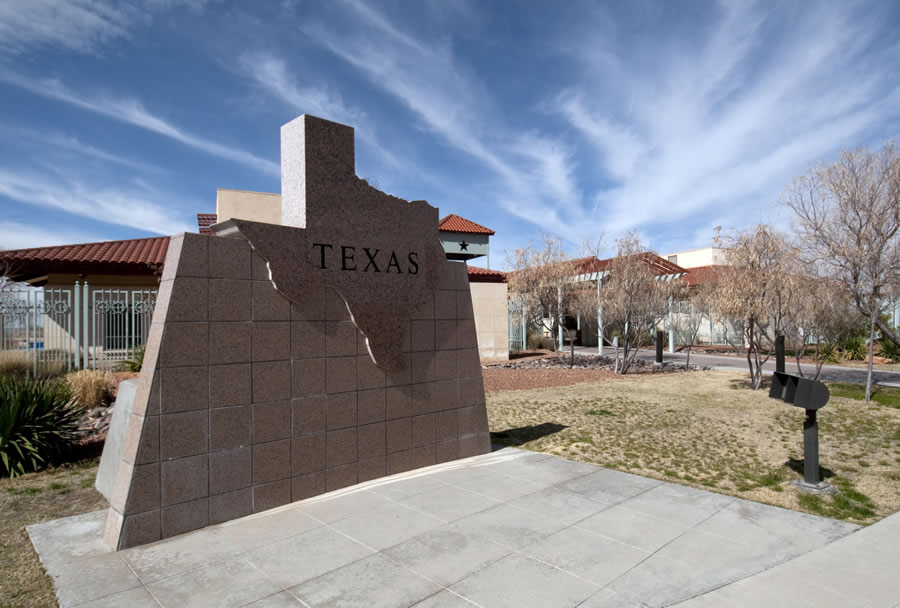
(659, 347)
(811, 449)
(779, 354)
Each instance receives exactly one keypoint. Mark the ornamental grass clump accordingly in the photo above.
(90, 388)
(37, 423)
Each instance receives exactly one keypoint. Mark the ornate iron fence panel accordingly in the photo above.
(518, 334)
(60, 329)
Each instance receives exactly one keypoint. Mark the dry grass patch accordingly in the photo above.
(707, 429)
(34, 498)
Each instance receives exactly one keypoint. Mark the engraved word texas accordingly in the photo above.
(348, 258)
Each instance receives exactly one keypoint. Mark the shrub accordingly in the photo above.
(15, 363)
(37, 423)
(89, 388)
(890, 350)
(855, 348)
(135, 365)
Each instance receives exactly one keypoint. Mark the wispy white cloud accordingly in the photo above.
(452, 103)
(18, 235)
(59, 140)
(718, 127)
(131, 111)
(82, 26)
(108, 204)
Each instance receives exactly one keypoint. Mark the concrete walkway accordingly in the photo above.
(511, 528)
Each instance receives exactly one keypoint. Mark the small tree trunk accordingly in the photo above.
(687, 361)
(572, 352)
(871, 356)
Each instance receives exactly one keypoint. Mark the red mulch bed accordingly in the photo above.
(512, 379)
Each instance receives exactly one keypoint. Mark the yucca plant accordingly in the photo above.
(135, 365)
(37, 423)
(890, 350)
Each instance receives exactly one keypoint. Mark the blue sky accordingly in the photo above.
(120, 119)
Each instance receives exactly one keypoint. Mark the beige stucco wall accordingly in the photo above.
(489, 302)
(694, 258)
(246, 205)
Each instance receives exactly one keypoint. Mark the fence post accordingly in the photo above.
(85, 325)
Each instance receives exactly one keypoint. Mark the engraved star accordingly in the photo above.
(464, 246)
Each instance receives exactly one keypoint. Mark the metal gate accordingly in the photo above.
(518, 334)
(81, 327)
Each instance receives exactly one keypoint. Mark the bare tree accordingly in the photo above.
(634, 300)
(544, 278)
(848, 215)
(757, 288)
(824, 316)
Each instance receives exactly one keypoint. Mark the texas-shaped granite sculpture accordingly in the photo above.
(289, 360)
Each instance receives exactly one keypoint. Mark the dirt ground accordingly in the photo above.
(709, 430)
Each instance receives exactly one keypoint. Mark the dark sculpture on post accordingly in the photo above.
(811, 395)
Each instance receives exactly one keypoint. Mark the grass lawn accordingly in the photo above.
(709, 430)
(29, 499)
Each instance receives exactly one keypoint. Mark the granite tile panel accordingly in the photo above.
(268, 304)
(307, 339)
(183, 434)
(184, 479)
(371, 441)
(271, 421)
(423, 432)
(271, 381)
(229, 300)
(271, 340)
(270, 495)
(309, 415)
(232, 505)
(445, 334)
(422, 367)
(341, 410)
(184, 344)
(445, 451)
(188, 300)
(445, 304)
(484, 443)
(373, 468)
(341, 477)
(371, 406)
(311, 307)
(399, 462)
(340, 338)
(399, 435)
(446, 395)
(148, 448)
(398, 402)
(308, 377)
(424, 456)
(446, 425)
(188, 256)
(230, 427)
(230, 470)
(230, 342)
(468, 420)
(370, 375)
(340, 447)
(184, 389)
(230, 385)
(340, 374)
(445, 365)
(421, 335)
(468, 446)
(184, 517)
(271, 461)
(144, 494)
(401, 375)
(465, 334)
(140, 529)
(304, 486)
(471, 391)
(422, 398)
(307, 454)
(468, 363)
(259, 269)
(229, 258)
(464, 305)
